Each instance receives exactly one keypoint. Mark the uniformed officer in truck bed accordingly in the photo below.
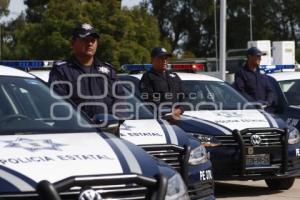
(253, 85)
(161, 86)
(88, 81)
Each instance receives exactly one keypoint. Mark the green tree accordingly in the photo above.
(238, 29)
(126, 36)
(12, 48)
(4, 7)
(189, 24)
(35, 9)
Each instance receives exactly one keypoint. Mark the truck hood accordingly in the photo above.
(150, 131)
(224, 121)
(27, 159)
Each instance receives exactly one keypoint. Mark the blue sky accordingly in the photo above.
(130, 3)
(17, 6)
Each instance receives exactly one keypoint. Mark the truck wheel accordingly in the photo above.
(280, 184)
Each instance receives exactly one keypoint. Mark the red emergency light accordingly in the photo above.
(193, 67)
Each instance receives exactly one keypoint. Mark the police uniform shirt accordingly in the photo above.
(253, 85)
(86, 69)
(90, 87)
(161, 87)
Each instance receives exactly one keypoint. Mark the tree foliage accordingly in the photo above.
(126, 36)
(4, 7)
(35, 9)
(189, 24)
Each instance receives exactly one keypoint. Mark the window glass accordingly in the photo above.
(212, 94)
(28, 106)
(291, 90)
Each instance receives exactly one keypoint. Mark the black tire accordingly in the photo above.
(280, 184)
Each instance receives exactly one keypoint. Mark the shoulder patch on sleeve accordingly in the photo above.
(59, 63)
(173, 75)
(108, 64)
(103, 69)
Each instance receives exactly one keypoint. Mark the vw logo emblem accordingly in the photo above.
(89, 194)
(255, 139)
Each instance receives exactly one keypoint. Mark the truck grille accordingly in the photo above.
(201, 190)
(122, 192)
(113, 187)
(270, 144)
(171, 154)
(111, 192)
(267, 139)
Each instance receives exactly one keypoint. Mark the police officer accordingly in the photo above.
(253, 85)
(161, 86)
(87, 81)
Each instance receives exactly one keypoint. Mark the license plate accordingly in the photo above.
(257, 160)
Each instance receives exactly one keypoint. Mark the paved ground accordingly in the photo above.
(253, 190)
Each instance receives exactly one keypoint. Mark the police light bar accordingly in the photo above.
(27, 64)
(276, 68)
(193, 67)
(136, 67)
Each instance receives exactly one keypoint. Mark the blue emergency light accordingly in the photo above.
(174, 67)
(137, 67)
(276, 68)
(23, 64)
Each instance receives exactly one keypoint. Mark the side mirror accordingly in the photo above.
(109, 123)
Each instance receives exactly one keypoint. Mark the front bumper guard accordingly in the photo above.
(243, 169)
(48, 191)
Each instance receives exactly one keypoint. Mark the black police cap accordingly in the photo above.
(254, 51)
(84, 30)
(160, 51)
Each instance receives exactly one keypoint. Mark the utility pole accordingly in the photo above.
(223, 8)
(0, 41)
(216, 35)
(250, 18)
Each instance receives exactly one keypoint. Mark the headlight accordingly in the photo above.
(294, 136)
(198, 156)
(176, 188)
(206, 140)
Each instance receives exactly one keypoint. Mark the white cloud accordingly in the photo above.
(15, 9)
(17, 6)
(130, 3)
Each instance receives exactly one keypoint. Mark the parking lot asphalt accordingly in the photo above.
(258, 190)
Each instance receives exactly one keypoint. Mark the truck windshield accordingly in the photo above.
(291, 90)
(27, 106)
(138, 109)
(213, 95)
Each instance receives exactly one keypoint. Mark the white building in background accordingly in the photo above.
(283, 52)
(280, 53)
